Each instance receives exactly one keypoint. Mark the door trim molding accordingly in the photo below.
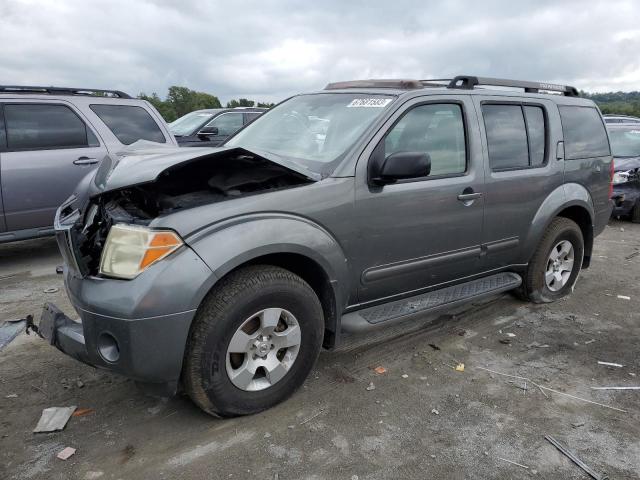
(409, 266)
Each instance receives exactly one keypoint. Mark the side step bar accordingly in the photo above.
(432, 302)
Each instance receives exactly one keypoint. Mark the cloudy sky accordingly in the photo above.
(267, 49)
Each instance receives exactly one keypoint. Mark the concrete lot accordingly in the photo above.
(334, 427)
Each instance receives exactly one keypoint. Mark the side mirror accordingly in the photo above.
(403, 165)
(208, 132)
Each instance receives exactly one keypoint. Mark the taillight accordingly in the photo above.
(611, 172)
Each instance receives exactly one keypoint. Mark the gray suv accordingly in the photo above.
(50, 138)
(224, 271)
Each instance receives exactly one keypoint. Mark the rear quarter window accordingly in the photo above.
(129, 123)
(584, 133)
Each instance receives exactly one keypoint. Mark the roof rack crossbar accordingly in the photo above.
(62, 91)
(469, 82)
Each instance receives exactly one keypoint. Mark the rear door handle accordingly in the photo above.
(85, 161)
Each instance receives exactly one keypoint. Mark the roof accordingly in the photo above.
(463, 84)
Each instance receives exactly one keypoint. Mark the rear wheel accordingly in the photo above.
(254, 340)
(556, 263)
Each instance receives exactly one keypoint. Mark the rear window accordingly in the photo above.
(584, 133)
(39, 126)
(129, 123)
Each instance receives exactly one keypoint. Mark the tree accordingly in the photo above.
(180, 101)
(266, 105)
(242, 102)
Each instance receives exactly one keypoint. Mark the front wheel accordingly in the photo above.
(556, 263)
(254, 340)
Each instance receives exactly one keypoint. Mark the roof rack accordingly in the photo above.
(468, 82)
(375, 83)
(62, 91)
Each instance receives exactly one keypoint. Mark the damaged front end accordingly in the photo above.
(626, 186)
(206, 179)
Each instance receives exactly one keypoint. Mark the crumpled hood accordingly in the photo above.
(143, 165)
(623, 164)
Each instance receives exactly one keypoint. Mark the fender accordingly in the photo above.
(228, 244)
(565, 196)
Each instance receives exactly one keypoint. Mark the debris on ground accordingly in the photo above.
(578, 424)
(404, 375)
(615, 388)
(380, 370)
(541, 388)
(81, 412)
(513, 463)
(624, 297)
(66, 453)
(9, 330)
(434, 346)
(51, 290)
(574, 458)
(509, 334)
(370, 387)
(54, 419)
(460, 367)
(537, 345)
(435, 411)
(505, 341)
(11, 395)
(315, 415)
(590, 341)
(609, 364)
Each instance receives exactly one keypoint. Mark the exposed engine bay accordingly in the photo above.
(203, 181)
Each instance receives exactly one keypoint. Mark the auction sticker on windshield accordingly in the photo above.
(369, 102)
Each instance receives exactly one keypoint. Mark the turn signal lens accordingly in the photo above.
(130, 249)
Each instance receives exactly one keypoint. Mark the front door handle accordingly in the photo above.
(465, 197)
(85, 161)
(468, 196)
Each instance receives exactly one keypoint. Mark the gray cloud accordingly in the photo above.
(271, 49)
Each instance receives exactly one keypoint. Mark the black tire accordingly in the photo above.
(234, 299)
(635, 213)
(534, 287)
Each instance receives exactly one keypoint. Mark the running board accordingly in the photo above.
(432, 302)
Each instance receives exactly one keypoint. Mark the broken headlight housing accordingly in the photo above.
(131, 249)
(622, 177)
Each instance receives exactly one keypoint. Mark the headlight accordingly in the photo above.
(621, 177)
(130, 249)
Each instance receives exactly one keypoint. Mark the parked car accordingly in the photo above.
(620, 119)
(211, 127)
(225, 270)
(625, 147)
(50, 138)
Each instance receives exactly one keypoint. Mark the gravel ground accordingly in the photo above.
(423, 419)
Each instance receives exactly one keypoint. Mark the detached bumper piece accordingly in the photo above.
(63, 333)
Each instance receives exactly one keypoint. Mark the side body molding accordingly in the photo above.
(563, 197)
(228, 244)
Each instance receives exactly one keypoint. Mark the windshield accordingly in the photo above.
(189, 123)
(625, 142)
(313, 130)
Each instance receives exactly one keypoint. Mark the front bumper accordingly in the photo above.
(139, 327)
(625, 197)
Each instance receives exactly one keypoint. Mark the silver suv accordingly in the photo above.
(50, 138)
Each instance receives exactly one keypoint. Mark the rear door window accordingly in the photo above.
(45, 126)
(3, 135)
(506, 136)
(516, 135)
(584, 133)
(129, 123)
